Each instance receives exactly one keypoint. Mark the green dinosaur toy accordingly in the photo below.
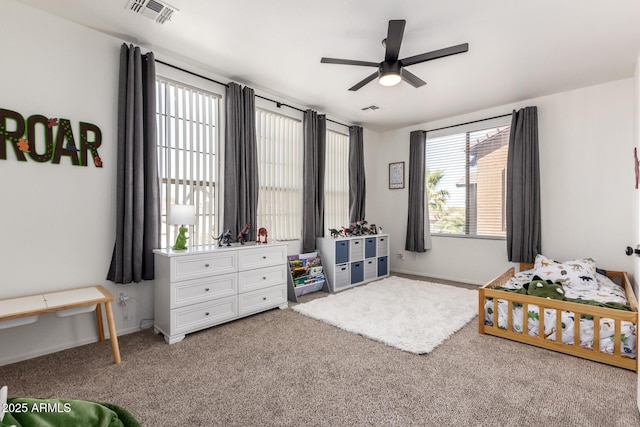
(545, 289)
(181, 240)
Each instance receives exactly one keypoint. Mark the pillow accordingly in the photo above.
(576, 274)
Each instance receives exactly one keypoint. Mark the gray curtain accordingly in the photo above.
(138, 194)
(418, 234)
(523, 187)
(357, 185)
(240, 161)
(314, 127)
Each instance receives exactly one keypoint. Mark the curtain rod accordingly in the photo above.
(282, 104)
(278, 103)
(192, 73)
(468, 123)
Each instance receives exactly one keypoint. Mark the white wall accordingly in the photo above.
(586, 143)
(57, 219)
(636, 199)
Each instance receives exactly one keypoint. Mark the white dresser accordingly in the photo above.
(208, 285)
(351, 261)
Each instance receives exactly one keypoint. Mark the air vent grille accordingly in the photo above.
(153, 9)
(371, 108)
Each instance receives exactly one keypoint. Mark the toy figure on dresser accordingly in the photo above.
(181, 240)
(359, 228)
(335, 233)
(262, 232)
(243, 234)
(224, 238)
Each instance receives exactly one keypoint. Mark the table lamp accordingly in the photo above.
(182, 215)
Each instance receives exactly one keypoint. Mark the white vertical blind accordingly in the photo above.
(187, 141)
(336, 181)
(280, 152)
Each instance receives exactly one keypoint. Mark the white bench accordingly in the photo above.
(25, 310)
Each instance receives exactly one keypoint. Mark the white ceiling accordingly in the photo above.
(518, 49)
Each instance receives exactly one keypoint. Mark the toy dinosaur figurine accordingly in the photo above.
(224, 238)
(335, 233)
(181, 240)
(243, 234)
(262, 232)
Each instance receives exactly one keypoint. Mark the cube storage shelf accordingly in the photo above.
(351, 261)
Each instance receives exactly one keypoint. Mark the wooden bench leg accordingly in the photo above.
(115, 349)
(99, 321)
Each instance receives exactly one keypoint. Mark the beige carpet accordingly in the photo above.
(280, 368)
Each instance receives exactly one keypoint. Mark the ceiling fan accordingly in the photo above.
(392, 70)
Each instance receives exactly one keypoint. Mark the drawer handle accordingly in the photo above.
(264, 278)
(206, 289)
(206, 265)
(264, 298)
(207, 313)
(264, 257)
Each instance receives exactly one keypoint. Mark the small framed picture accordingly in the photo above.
(396, 175)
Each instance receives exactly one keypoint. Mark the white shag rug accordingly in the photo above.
(412, 315)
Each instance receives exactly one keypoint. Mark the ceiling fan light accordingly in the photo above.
(389, 79)
(389, 73)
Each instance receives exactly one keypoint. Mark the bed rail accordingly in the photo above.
(578, 310)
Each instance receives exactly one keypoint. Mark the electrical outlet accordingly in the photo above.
(122, 298)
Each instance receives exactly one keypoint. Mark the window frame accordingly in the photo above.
(338, 129)
(179, 77)
(297, 116)
(465, 129)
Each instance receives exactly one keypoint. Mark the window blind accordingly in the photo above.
(336, 184)
(466, 179)
(187, 140)
(280, 152)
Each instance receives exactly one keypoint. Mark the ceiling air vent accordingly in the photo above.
(152, 9)
(371, 108)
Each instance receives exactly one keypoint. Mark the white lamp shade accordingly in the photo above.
(182, 215)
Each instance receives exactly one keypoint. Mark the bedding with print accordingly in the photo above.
(579, 282)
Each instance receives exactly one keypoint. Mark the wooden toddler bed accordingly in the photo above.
(492, 326)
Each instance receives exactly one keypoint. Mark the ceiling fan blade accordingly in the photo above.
(348, 62)
(412, 79)
(364, 82)
(441, 53)
(394, 39)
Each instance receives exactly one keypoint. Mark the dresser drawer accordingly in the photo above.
(255, 301)
(205, 289)
(197, 316)
(262, 256)
(196, 266)
(262, 278)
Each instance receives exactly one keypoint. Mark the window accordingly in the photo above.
(466, 181)
(187, 142)
(336, 181)
(280, 151)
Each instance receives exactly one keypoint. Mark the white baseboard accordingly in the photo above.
(435, 276)
(65, 346)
